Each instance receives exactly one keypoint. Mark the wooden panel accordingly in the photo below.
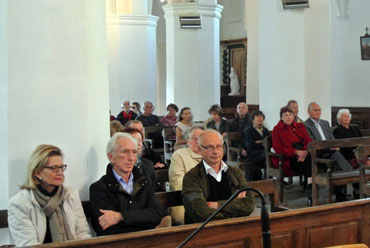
(333, 224)
(232, 244)
(282, 240)
(328, 235)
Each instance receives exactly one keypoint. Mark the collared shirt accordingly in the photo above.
(128, 187)
(318, 126)
(212, 172)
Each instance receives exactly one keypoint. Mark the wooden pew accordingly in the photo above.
(149, 141)
(362, 155)
(320, 226)
(331, 178)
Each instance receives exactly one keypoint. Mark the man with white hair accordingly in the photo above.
(126, 114)
(123, 200)
(206, 187)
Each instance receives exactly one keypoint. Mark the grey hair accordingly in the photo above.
(192, 128)
(112, 143)
(123, 101)
(310, 105)
(343, 111)
(208, 130)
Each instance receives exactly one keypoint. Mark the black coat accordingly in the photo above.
(251, 135)
(140, 211)
(341, 132)
(224, 126)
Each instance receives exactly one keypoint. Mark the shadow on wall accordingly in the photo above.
(94, 171)
(17, 175)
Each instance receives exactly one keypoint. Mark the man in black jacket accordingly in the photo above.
(123, 200)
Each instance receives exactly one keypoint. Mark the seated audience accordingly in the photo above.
(293, 104)
(240, 123)
(319, 129)
(147, 153)
(253, 137)
(115, 127)
(183, 160)
(291, 139)
(136, 108)
(170, 119)
(126, 114)
(45, 210)
(206, 187)
(218, 123)
(185, 122)
(148, 119)
(123, 200)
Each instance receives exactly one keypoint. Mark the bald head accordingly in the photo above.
(242, 109)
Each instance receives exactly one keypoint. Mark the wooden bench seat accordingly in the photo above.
(332, 178)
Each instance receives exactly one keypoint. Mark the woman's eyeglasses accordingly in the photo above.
(55, 168)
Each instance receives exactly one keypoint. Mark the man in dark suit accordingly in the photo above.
(319, 129)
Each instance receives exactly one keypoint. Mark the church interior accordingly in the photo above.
(66, 64)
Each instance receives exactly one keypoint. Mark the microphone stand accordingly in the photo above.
(265, 224)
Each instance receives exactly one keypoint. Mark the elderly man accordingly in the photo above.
(126, 113)
(182, 161)
(293, 104)
(147, 118)
(319, 129)
(123, 200)
(206, 187)
(240, 123)
(150, 120)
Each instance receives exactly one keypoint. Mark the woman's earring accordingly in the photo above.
(40, 178)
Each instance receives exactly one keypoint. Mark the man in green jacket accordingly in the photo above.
(211, 182)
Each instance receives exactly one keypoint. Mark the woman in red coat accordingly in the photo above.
(291, 139)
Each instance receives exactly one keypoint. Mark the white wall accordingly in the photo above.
(4, 178)
(350, 74)
(3, 106)
(58, 87)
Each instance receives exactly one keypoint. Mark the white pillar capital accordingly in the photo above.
(132, 19)
(189, 8)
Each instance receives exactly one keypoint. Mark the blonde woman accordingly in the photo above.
(45, 210)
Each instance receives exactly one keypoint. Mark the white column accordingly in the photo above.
(193, 57)
(132, 55)
(57, 88)
(294, 58)
(252, 24)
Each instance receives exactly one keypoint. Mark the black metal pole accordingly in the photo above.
(265, 224)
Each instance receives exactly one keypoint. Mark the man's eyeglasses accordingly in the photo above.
(211, 148)
(55, 168)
